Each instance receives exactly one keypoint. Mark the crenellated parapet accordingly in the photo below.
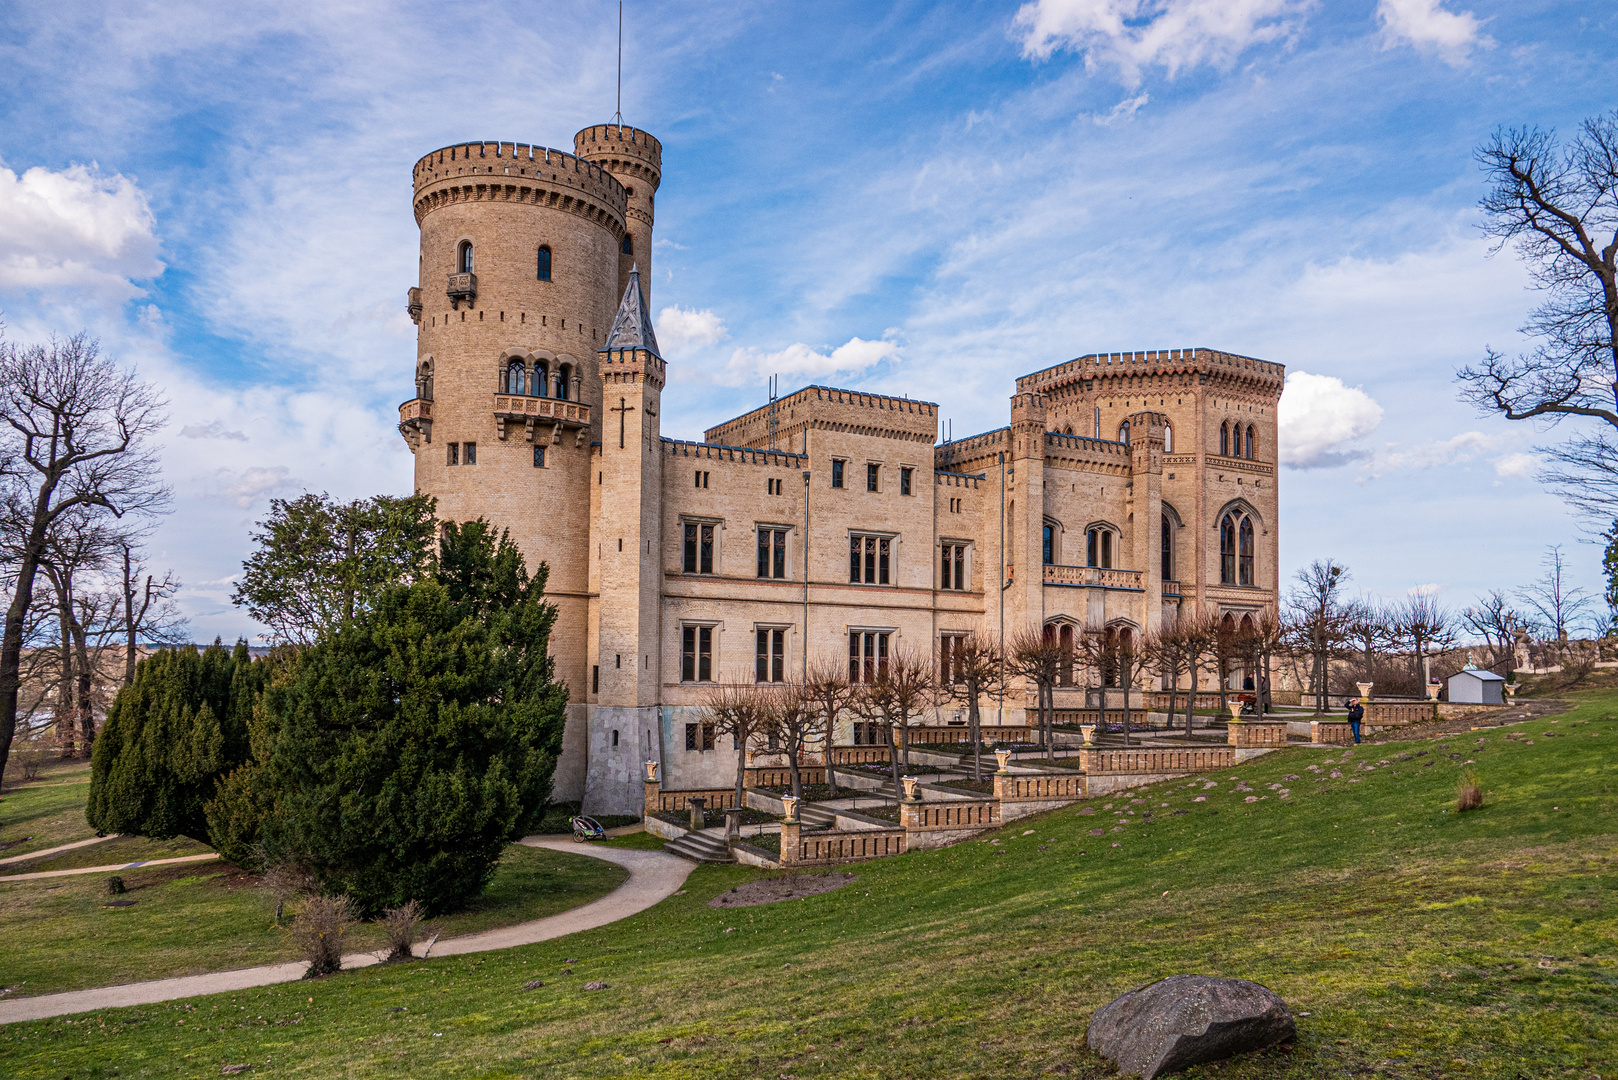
(1156, 371)
(623, 151)
(826, 408)
(522, 174)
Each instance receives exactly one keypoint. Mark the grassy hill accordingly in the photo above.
(1413, 940)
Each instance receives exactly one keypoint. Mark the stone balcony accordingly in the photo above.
(1094, 576)
(416, 422)
(462, 287)
(540, 412)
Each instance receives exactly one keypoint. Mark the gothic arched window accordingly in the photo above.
(1224, 440)
(1168, 549)
(1168, 439)
(1092, 548)
(424, 381)
(463, 258)
(544, 267)
(1065, 640)
(1049, 545)
(628, 246)
(564, 375)
(1227, 551)
(1244, 571)
(1123, 432)
(542, 380)
(516, 377)
(1251, 442)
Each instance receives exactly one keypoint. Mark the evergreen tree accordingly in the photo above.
(169, 737)
(408, 746)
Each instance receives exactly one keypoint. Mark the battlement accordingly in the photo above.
(1153, 362)
(620, 149)
(829, 407)
(747, 455)
(493, 162)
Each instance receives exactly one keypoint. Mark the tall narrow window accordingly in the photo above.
(904, 481)
(872, 472)
(772, 553)
(564, 376)
(696, 654)
(1092, 548)
(770, 663)
(1168, 439)
(1048, 545)
(542, 380)
(1224, 440)
(1098, 421)
(628, 246)
(867, 655)
(1064, 673)
(539, 456)
(544, 269)
(453, 454)
(463, 258)
(698, 549)
(1244, 566)
(469, 453)
(1123, 432)
(837, 474)
(1247, 451)
(949, 652)
(952, 567)
(1106, 549)
(1168, 549)
(1227, 551)
(516, 377)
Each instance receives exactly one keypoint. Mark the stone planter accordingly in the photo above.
(651, 772)
(1365, 689)
(912, 788)
(1089, 734)
(698, 820)
(790, 802)
(1003, 759)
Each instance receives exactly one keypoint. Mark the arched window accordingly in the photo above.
(615, 736)
(516, 377)
(564, 376)
(1227, 551)
(424, 381)
(1064, 673)
(1251, 441)
(1123, 432)
(1224, 440)
(1092, 548)
(1049, 545)
(1168, 439)
(628, 246)
(1106, 549)
(542, 380)
(544, 270)
(1168, 549)
(463, 258)
(1244, 569)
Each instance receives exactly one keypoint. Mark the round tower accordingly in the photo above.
(635, 158)
(520, 275)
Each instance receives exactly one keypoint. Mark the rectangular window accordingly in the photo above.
(772, 553)
(454, 453)
(1048, 548)
(904, 481)
(872, 473)
(700, 479)
(470, 451)
(869, 559)
(539, 457)
(595, 679)
(949, 647)
(867, 734)
(770, 665)
(952, 567)
(699, 737)
(696, 654)
(836, 473)
(697, 549)
(867, 655)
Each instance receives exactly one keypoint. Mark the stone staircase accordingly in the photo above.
(817, 816)
(701, 847)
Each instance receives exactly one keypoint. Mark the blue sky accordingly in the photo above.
(926, 199)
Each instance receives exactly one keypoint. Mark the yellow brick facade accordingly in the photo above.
(609, 505)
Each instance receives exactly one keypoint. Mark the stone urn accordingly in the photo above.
(1511, 692)
(1365, 690)
(651, 772)
(1089, 734)
(790, 817)
(912, 788)
(1003, 759)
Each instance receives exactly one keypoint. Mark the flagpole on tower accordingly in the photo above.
(618, 115)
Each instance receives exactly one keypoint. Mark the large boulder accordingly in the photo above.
(1184, 1020)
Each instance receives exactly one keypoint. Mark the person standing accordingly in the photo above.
(1356, 713)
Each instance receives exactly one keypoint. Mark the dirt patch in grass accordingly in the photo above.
(775, 890)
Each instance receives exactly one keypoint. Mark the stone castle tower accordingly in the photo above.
(525, 254)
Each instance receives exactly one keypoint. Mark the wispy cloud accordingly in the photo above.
(1429, 27)
(679, 329)
(214, 429)
(799, 361)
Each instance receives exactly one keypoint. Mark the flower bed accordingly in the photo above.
(976, 787)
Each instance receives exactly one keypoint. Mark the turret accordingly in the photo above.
(635, 159)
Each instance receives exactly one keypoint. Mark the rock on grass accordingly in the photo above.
(1184, 1020)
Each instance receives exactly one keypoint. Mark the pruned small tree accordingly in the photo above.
(1369, 629)
(1316, 620)
(1037, 658)
(790, 719)
(828, 686)
(1493, 619)
(743, 712)
(900, 689)
(76, 432)
(1428, 628)
(969, 671)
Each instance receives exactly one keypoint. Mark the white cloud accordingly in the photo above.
(1173, 34)
(1427, 26)
(1423, 590)
(853, 357)
(214, 429)
(681, 328)
(75, 228)
(1457, 450)
(256, 483)
(1518, 465)
(1319, 416)
(1124, 110)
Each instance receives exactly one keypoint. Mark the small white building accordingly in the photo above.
(1474, 686)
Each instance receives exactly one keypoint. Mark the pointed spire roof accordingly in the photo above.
(632, 326)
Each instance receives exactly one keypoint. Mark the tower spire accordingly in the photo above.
(632, 326)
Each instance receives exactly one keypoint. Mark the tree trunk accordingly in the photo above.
(831, 777)
(66, 722)
(975, 731)
(1191, 697)
(741, 772)
(1174, 691)
(904, 741)
(84, 700)
(11, 642)
(893, 756)
(129, 623)
(797, 775)
(1126, 710)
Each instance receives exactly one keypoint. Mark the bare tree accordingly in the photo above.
(1038, 658)
(1256, 645)
(1369, 628)
(1493, 619)
(1175, 658)
(1317, 619)
(149, 613)
(741, 711)
(969, 671)
(77, 433)
(1198, 633)
(1555, 601)
(828, 685)
(1427, 627)
(790, 718)
(900, 689)
(1557, 205)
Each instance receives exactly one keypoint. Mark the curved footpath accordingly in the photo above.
(653, 876)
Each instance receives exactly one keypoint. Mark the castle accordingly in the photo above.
(830, 524)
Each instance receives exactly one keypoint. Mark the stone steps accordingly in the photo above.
(701, 847)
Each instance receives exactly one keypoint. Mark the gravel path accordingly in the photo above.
(204, 857)
(57, 850)
(653, 875)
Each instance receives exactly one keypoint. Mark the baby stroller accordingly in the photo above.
(586, 828)
(1249, 704)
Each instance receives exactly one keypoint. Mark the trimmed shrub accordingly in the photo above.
(1470, 795)
(320, 930)
(401, 925)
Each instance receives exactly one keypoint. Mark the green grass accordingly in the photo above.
(60, 935)
(49, 809)
(1421, 943)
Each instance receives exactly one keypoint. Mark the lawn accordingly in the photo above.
(45, 812)
(1412, 940)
